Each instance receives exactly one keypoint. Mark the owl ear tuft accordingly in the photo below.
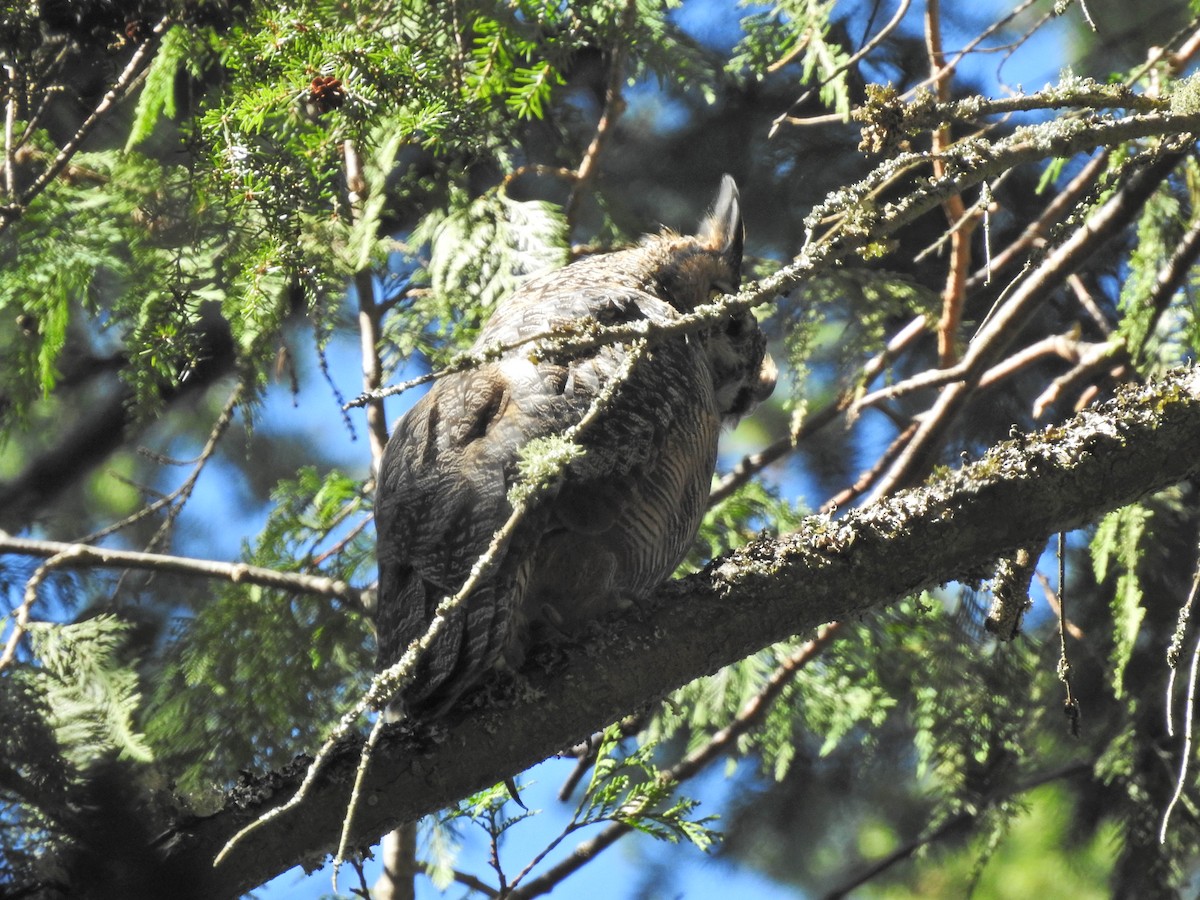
(722, 228)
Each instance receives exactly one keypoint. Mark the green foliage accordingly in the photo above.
(1159, 231)
(157, 99)
(625, 788)
(92, 694)
(258, 673)
(217, 216)
(482, 249)
(72, 703)
(630, 789)
(1038, 855)
(795, 30)
(503, 62)
(1117, 548)
(51, 271)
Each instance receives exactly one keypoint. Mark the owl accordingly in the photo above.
(621, 514)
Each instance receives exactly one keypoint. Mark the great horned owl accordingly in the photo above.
(621, 516)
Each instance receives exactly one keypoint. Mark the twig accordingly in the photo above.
(1039, 228)
(124, 81)
(614, 107)
(184, 491)
(74, 556)
(1185, 756)
(953, 294)
(970, 47)
(21, 616)
(862, 484)
(1070, 703)
(579, 339)
(466, 879)
(998, 332)
(866, 48)
(1089, 304)
(1091, 357)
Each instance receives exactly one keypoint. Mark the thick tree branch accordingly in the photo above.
(955, 529)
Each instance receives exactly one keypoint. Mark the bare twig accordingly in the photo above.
(178, 497)
(82, 555)
(466, 879)
(59, 555)
(21, 616)
(998, 332)
(1084, 295)
(1039, 228)
(1070, 702)
(970, 46)
(953, 294)
(1091, 358)
(862, 484)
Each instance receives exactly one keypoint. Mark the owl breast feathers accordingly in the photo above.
(621, 516)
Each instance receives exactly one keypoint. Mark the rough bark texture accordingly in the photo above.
(954, 529)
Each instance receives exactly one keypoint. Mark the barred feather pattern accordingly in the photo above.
(621, 516)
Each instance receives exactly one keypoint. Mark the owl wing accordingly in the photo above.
(439, 500)
(446, 473)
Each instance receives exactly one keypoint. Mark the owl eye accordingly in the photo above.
(720, 288)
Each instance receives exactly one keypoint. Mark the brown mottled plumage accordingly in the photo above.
(622, 516)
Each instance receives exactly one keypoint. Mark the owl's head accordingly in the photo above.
(690, 270)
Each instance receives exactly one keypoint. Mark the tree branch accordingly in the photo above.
(85, 556)
(954, 529)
